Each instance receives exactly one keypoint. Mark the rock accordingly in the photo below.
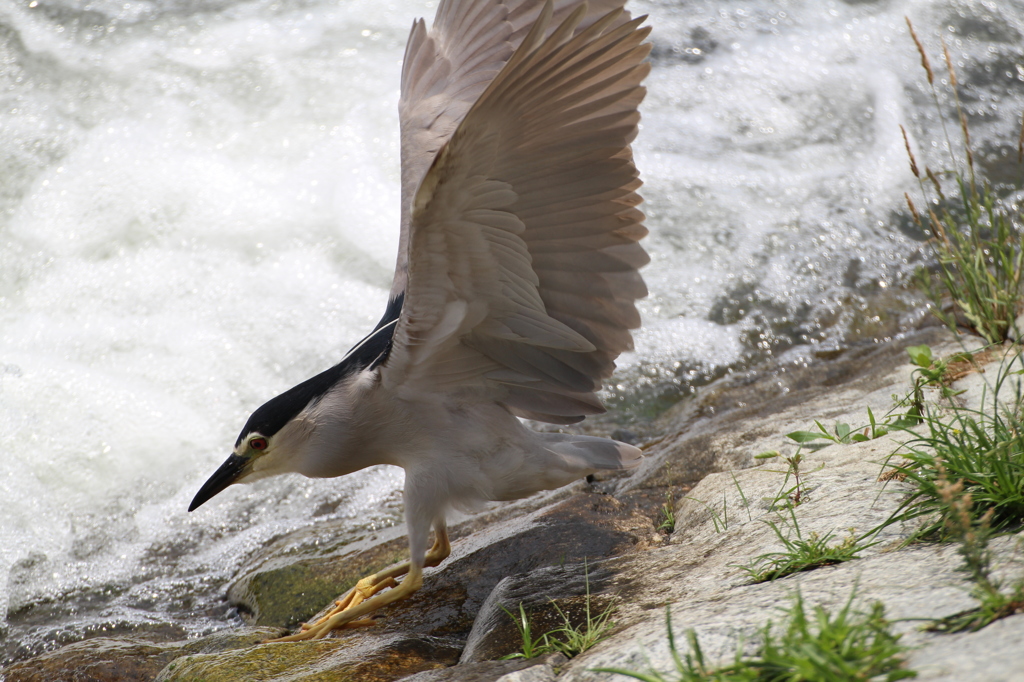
(588, 525)
(327, 660)
(537, 673)
(489, 671)
(699, 574)
(914, 583)
(992, 654)
(429, 629)
(127, 659)
(95, 660)
(288, 588)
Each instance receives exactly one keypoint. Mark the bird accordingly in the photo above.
(515, 287)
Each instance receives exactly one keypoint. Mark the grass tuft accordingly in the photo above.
(981, 450)
(811, 647)
(975, 238)
(802, 554)
(668, 515)
(568, 639)
(973, 535)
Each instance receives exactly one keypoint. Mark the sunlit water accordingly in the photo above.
(199, 208)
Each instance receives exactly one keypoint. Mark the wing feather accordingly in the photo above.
(520, 240)
(445, 70)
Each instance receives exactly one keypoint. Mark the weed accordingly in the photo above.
(792, 495)
(982, 448)
(743, 497)
(668, 515)
(574, 640)
(939, 373)
(532, 646)
(973, 535)
(815, 647)
(976, 239)
(568, 639)
(842, 433)
(802, 554)
(721, 521)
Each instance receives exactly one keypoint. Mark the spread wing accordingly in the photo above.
(445, 70)
(522, 247)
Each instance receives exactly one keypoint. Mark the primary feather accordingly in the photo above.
(519, 257)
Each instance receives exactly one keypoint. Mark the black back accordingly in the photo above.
(369, 353)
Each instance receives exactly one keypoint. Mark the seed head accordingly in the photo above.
(920, 48)
(913, 161)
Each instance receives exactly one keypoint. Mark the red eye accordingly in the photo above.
(258, 443)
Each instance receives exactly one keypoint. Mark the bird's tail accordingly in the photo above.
(588, 452)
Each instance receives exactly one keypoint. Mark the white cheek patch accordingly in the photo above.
(270, 463)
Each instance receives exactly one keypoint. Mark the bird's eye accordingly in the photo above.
(258, 443)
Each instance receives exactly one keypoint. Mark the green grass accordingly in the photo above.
(803, 554)
(789, 495)
(568, 639)
(993, 604)
(721, 521)
(966, 470)
(981, 449)
(668, 515)
(819, 646)
(973, 535)
(975, 238)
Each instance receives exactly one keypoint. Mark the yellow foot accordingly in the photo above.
(337, 618)
(364, 589)
(369, 594)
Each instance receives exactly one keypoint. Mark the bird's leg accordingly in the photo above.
(441, 548)
(363, 599)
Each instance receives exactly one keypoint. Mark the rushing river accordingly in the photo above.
(199, 208)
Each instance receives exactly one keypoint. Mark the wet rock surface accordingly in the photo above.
(126, 659)
(603, 536)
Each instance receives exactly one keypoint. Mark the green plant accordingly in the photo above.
(973, 535)
(975, 238)
(802, 554)
(843, 433)
(816, 647)
(568, 639)
(532, 646)
(743, 497)
(981, 448)
(792, 495)
(936, 372)
(573, 640)
(721, 521)
(930, 372)
(668, 515)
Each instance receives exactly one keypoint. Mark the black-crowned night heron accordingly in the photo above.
(515, 287)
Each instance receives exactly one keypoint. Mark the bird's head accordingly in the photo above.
(280, 436)
(304, 429)
(258, 456)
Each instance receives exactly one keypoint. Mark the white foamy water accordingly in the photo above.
(199, 208)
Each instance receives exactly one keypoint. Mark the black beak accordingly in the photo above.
(222, 478)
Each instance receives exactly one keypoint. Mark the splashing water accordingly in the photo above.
(199, 209)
